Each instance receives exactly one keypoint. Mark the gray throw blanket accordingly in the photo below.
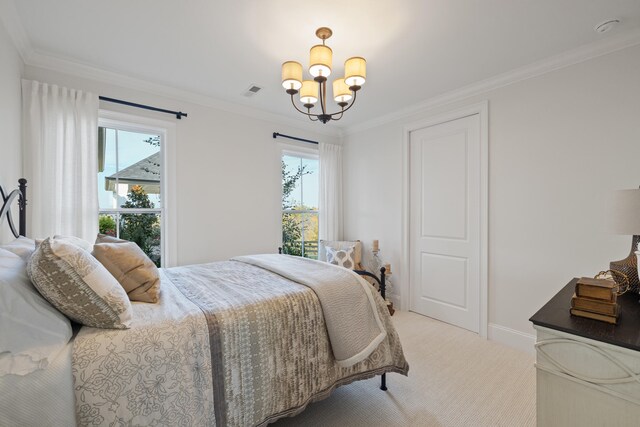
(347, 300)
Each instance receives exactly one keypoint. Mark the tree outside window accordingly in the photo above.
(300, 205)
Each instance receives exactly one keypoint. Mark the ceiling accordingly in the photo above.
(415, 49)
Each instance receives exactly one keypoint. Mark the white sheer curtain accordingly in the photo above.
(60, 160)
(330, 209)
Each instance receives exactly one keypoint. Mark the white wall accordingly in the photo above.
(558, 144)
(10, 120)
(227, 172)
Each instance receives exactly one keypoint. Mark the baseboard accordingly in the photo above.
(512, 338)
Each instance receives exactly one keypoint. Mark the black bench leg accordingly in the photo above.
(383, 382)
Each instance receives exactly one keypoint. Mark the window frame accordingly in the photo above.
(303, 153)
(166, 131)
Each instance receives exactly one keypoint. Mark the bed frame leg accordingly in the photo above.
(383, 382)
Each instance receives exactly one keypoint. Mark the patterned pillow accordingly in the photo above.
(79, 286)
(81, 243)
(343, 257)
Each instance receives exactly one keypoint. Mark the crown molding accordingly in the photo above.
(535, 69)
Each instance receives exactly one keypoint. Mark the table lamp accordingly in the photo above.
(625, 219)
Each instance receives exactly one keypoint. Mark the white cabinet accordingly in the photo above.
(585, 382)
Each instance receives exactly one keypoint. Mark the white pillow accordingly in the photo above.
(343, 257)
(22, 246)
(32, 331)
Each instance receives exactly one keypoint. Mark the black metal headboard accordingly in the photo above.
(5, 212)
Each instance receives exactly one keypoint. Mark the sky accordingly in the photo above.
(131, 149)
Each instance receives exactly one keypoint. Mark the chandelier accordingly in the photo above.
(312, 91)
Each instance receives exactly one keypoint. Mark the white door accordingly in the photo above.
(445, 222)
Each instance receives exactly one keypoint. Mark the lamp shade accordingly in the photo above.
(341, 92)
(292, 75)
(320, 58)
(309, 92)
(355, 71)
(625, 212)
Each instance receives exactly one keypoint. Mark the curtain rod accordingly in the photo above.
(276, 134)
(178, 114)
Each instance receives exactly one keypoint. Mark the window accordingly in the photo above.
(130, 186)
(300, 205)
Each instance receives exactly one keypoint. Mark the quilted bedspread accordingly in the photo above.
(229, 344)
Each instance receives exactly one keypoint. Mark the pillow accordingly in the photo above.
(105, 238)
(81, 243)
(33, 332)
(341, 245)
(131, 267)
(79, 286)
(22, 246)
(342, 257)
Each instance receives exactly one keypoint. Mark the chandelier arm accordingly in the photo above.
(341, 114)
(355, 94)
(350, 105)
(331, 116)
(296, 107)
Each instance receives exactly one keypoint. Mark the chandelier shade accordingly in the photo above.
(344, 88)
(341, 92)
(292, 75)
(355, 71)
(309, 92)
(320, 57)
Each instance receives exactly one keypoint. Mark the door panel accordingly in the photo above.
(444, 207)
(445, 222)
(444, 279)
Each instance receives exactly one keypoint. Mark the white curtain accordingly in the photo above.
(60, 160)
(330, 221)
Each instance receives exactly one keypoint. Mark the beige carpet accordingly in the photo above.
(455, 379)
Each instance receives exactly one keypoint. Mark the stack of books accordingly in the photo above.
(596, 299)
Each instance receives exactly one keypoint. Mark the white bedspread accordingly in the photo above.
(156, 373)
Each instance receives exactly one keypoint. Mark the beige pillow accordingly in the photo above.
(131, 267)
(79, 286)
(105, 238)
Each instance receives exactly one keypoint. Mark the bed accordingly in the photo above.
(242, 342)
